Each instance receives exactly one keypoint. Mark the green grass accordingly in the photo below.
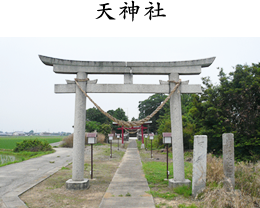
(166, 195)
(128, 194)
(98, 144)
(183, 190)
(155, 173)
(7, 144)
(10, 142)
(160, 205)
(22, 156)
(188, 206)
(148, 144)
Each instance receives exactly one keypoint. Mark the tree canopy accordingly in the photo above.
(147, 106)
(232, 106)
(119, 113)
(95, 120)
(93, 114)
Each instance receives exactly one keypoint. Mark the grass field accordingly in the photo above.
(10, 142)
(155, 175)
(20, 156)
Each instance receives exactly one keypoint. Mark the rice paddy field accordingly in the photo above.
(10, 142)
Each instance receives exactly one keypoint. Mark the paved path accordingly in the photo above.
(17, 178)
(129, 178)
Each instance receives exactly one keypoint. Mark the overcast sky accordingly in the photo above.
(27, 98)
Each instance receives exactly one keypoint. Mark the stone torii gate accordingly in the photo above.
(128, 69)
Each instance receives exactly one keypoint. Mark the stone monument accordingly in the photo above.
(228, 161)
(199, 164)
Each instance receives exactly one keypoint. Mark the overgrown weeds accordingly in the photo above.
(247, 178)
(215, 171)
(247, 185)
(68, 141)
(218, 197)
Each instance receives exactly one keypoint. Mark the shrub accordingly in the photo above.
(32, 146)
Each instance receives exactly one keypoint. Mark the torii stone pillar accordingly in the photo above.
(177, 136)
(78, 181)
(127, 69)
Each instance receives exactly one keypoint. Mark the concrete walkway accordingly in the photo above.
(17, 178)
(128, 180)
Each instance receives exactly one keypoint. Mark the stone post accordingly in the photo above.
(78, 181)
(177, 136)
(199, 164)
(228, 161)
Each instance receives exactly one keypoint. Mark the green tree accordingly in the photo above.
(95, 119)
(147, 106)
(119, 113)
(133, 119)
(92, 126)
(105, 129)
(93, 114)
(164, 122)
(231, 107)
(209, 116)
(241, 93)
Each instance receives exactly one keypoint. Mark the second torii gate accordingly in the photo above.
(142, 128)
(128, 69)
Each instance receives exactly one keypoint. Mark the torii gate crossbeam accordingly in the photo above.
(128, 69)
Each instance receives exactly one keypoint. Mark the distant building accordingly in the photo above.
(55, 134)
(6, 134)
(45, 134)
(18, 133)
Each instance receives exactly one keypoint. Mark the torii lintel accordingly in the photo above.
(105, 67)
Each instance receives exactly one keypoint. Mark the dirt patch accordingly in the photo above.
(53, 193)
